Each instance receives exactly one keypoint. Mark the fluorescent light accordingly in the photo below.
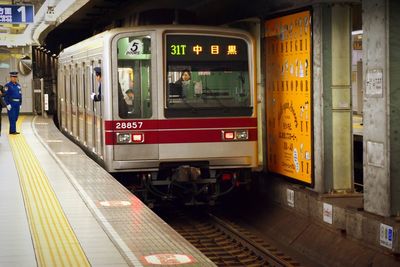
(357, 32)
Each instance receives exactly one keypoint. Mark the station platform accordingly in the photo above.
(59, 208)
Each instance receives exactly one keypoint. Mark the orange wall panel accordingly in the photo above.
(289, 96)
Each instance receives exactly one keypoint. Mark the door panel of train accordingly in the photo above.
(63, 118)
(89, 137)
(98, 116)
(134, 97)
(81, 103)
(74, 102)
(68, 99)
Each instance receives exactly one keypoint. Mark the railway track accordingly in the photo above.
(226, 243)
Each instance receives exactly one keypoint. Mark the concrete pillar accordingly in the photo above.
(381, 66)
(332, 98)
(394, 70)
(360, 91)
(342, 165)
(319, 15)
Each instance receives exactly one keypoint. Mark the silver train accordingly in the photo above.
(193, 140)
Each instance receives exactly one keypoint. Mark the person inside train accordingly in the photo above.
(183, 83)
(2, 103)
(13, 99)
(125, 102)
(129, 99)
(93, 96)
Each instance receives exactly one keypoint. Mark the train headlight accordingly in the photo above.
(123, 138)
(242, 135)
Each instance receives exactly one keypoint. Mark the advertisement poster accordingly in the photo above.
(289, 96)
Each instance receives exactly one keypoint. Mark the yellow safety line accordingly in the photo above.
(54, 240)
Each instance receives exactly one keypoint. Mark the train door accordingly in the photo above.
(134, 97)
(68, 99)
(62, 81)
(98, 117)
(81, 103)
(89, 138)
(74, 101)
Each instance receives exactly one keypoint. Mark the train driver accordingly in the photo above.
(93, 96)
(126, 101)
(13, 99)
(129, 98)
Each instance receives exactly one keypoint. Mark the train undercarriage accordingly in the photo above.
(190, 183)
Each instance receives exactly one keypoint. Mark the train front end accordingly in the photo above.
(184, 112)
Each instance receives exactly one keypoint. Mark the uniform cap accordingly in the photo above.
(97, 70)
(14, 73)
(129, 91)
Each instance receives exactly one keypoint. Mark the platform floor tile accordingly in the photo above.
(97, 246)
(15, 239)
(135, 229)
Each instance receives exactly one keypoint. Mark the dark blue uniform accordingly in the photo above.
(13, 97)
(2, 103)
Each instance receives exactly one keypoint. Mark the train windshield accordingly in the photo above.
(207, 76)
(134, 57)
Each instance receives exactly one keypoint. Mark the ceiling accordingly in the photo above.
(99, 15)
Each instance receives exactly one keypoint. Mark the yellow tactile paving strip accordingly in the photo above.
(54, 240)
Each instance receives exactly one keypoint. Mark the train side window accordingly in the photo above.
(88, 88)
(68, 86)
(95, 82)
(134, 69)
(80, 87)
(74, 85)
(82, 84)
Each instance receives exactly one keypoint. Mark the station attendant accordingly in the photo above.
(93, 96)
(13, 99)
(2, 103)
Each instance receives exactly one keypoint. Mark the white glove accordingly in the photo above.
(92, 96)
(8, 107)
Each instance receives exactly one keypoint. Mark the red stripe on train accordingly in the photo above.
(179, 136)
(118, 125)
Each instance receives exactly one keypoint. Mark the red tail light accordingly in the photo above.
(227, 176)
(137, 138)
(229, 135)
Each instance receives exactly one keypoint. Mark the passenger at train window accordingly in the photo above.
(184, 82)
(93, 96)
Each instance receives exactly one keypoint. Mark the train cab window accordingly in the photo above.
(207, 76)
(134, 88)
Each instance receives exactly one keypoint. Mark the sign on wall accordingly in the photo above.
(374, 83)
(289, 96)
(386, 236)
(16, 14)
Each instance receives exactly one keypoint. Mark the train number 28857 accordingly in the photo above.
(129, 125)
